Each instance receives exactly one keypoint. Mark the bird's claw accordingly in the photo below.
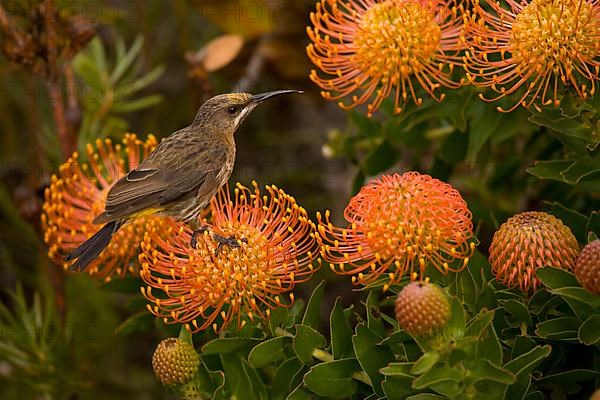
(230, 241)
(196, 234)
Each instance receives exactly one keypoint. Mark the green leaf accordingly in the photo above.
(518, 311)
(381, 158)
(556, 278)
(374, 321)
(457, 316)
(300, 393)
(570, 377)
(488, 347)
(519, 389)
(485, 370)
(333, 379)
(268, 351)
(589, 331)
(593, 226)
(140, 322)
(397, 388)
(525, 363)
(442, 379)
(454, 147)
(341, 332)
(124, 63)
(313, 308)
(284, 375)
(425, 396)
(371, 356)
(227, 345)
(558, 328)
(583, 303)
(137, 104)
(477, 326)
(571, 218)
(237, 380)
(306, 341)
(401, 369)
(550, 169)
(484, 120)
(425, 363)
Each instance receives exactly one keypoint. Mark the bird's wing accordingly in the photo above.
(151, 187)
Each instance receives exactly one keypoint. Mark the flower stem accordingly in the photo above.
(324, 356)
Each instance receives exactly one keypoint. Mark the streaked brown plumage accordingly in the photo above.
(180, 177)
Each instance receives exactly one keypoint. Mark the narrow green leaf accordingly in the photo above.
(589, 331)
(124, 63)
(425, 363)
(401, 369)
(313, 308)
(341, 332)
(140, 322)
(525, 363)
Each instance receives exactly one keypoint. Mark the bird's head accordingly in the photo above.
(226, 112)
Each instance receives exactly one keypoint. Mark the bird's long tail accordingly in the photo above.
(91, 248)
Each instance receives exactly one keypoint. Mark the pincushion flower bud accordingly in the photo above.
(175, 362)
(422, 308)
(528, 241)
(587, 269)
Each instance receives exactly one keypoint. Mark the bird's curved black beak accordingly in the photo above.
(259, 98)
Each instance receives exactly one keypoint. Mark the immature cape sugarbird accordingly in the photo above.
(181, 176)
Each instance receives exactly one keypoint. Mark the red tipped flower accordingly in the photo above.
(534, 48)
(76, 196)
(587, 269)
(370, 50)
(422, 308)
(528, 241)
(210, 287)
(399, 223)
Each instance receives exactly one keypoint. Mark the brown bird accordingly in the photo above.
(180, 177)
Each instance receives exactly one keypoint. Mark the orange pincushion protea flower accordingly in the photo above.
(537, 46)
(399, 223)
(528, 241)
(76, 196)
(206, 286)
(372, 49)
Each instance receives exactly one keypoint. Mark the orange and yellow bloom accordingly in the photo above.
(532, 49)
(369, 50)
(398, 224)
(212, 285)
(76, 196)
(528, 241)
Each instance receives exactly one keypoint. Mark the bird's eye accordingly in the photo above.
(233, 110)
